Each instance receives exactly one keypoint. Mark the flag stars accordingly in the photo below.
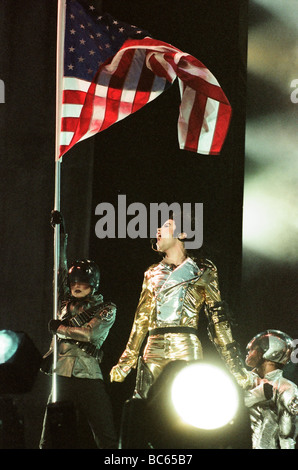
(89, 43)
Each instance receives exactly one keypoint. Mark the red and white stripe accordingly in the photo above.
(136, 75)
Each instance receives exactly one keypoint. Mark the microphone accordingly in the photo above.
(153, 242)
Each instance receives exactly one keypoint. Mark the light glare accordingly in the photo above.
(9, 343)
(204, 396)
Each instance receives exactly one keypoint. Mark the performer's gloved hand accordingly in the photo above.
(53, 326)
(57, 219)
(119, 372)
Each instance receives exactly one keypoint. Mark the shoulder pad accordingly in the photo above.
(149, 272)
(206, 263)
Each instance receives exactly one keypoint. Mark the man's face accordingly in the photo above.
(164, 235)
(79, 289)
(254, 357)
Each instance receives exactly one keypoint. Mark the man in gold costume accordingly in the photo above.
(174, 292)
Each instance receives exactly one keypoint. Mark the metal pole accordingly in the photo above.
(61, 7)
(56, 269)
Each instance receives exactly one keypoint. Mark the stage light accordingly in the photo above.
(270, 185)
(204, 396)
(19, 362)
(269, 224)
(216, 417)
(9, 343)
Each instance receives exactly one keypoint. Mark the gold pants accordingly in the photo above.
(162, 349)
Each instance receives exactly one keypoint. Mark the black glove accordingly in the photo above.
(53, 325)
(57, 219)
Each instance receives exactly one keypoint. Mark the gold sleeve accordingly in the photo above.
(129, 357)
(220, 331)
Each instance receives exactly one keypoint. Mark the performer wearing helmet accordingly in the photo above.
(83, 324)
(273, 401)
(174, 292)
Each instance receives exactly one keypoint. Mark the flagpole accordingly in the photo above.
(61, 7)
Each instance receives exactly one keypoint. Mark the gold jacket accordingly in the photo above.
(174, 298)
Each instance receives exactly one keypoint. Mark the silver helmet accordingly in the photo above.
(277, 346)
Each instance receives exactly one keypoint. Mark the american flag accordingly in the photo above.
(112, 69)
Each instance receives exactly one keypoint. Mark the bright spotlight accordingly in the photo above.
(9, 343)
(19, 362)
(204, 396)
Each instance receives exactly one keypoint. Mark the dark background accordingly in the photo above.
(138, 157)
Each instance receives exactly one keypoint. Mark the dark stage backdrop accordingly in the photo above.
(139, 158)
